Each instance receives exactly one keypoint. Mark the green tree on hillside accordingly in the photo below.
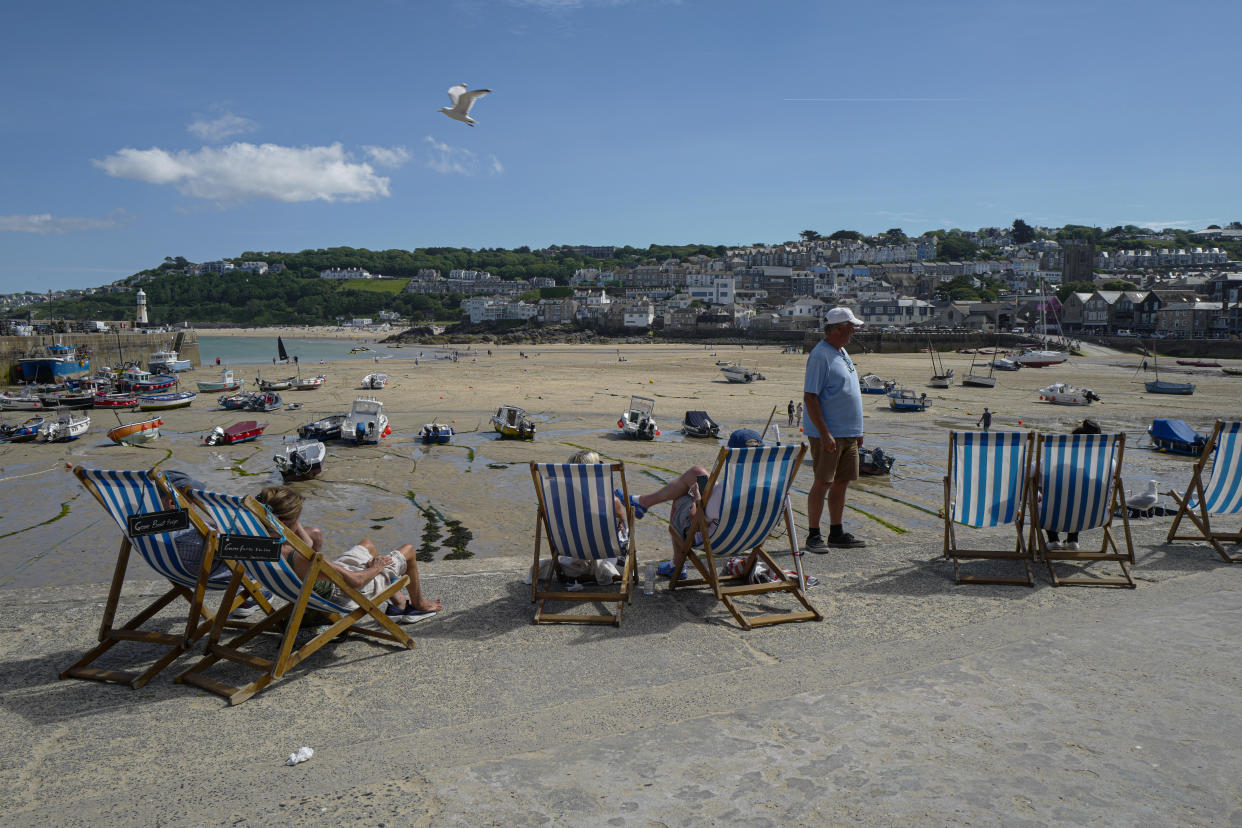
(1022, 232)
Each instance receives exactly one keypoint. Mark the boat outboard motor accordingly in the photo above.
(300, 466)
(216, 435)
(1091, 395)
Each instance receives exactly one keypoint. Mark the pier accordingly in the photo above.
(115, 348)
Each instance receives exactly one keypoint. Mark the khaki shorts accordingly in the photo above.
(359, 558)
(841, 464)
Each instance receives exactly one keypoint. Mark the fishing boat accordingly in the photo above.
(436, 433)
(68, 399)
(265, 401)
(1005, 364)
(873, 384)
(67, 426)
(699, 424)
(740, 373)
(242, 432)
(1175, 437)
(300, 460)
(227, 382)
(940, 377)
(276, 384)
(1233, 372)
(144, 382)
(979, 380)
(24, 400)
(1041, 358)
(1062, 393)
(115, 399)
(874, 462)
(636, 421)
(55, 363)
(164, 361)
(903, 399)
(23, 432)
(137, 433)
(1198, 363)
(514, 422)
(375, 380)
(328, 428)
(236, 402)
(308, 383)
(366, 422)
(1159, 386)
(164, 402)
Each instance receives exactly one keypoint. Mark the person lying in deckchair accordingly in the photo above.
(362, 567)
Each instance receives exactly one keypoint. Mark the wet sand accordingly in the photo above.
(53, 532)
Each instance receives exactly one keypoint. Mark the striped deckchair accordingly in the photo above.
(1078, 487)
(755, 485)
(1221, 496)
(577, 511)
(247, 517)
(985, 486)
(125, 494)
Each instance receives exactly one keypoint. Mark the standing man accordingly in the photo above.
(985, 420)
(834, 428)
(791, 414)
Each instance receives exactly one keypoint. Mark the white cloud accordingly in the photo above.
(225, 126)
(242, 171)
(388, 156)
(451, 160)
(46, 224)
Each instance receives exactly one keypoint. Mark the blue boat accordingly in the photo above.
(1176, 437)
(436, 433)
(903, 399)
(55, 363)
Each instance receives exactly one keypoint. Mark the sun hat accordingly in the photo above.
(744, 437)
(841, 314)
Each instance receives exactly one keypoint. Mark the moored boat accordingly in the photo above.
(300, 460)
(1062, 393)
(265, 401)
(873, 384)
(375, 380)
(22, 432)
(903, 399)
(436, 433)
(308, 383)
(1159, 386)
(115, 399)
(164, 402)
(366, 422)
(637, 421)
(1199, 363)
(328, 428)
(240, 432)
(227, 382)
(512, 421)
(1176, 437)
(67, 426)
(699, 424)
(24, 400)
(136, 433)
(874, 462)
(143, 382)
(55, 363)
(1005, 364)
(162, 362)
(1040, 358)
(1233, 372)
(740, 373)
(276, 384)
(67, 399)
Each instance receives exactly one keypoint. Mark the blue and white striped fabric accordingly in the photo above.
(231, 517)
(755, 481)
(1076, 476)
(126, 493)
(990, 471)
(1223, 492)
(579, 503)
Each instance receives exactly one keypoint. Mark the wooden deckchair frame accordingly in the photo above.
(1203, 521)
(1117, 503)
(198, 619)
(1021, 550)
(629, 576)
(726, 588)
(292, 615)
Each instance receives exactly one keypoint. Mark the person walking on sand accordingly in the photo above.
(834, 429)
(790, 414)
(798, 415)
(985, 420)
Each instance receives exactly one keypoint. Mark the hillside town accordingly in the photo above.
(890, 281)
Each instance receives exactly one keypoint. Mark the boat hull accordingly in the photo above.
(136, 433)
(979, 382)
(53, 369)
(116, 401)
(1161, 387)
(165, 402)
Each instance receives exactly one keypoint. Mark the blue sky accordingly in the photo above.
(137, 130)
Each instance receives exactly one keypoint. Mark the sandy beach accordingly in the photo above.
(576, 394)
(914, 701)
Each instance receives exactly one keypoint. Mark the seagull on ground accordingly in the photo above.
(1144, 502)
(463, 100)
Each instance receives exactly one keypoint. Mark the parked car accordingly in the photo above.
(1124, 332)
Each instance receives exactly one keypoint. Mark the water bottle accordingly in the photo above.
(649, 575)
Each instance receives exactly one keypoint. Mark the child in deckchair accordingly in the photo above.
(363, 568)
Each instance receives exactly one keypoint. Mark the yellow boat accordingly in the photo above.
(511, 421)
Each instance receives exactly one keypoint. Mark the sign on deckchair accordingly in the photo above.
(155, 523)
(247, 548)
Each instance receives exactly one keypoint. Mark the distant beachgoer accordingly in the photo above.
(273, 360)
(798, 415)
(790, 414)
(985, 420)
(361, 566)
(217, 360)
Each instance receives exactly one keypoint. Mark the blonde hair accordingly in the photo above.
(585, 456)
(285, 503)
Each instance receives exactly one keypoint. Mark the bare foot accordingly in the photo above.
(429, 605)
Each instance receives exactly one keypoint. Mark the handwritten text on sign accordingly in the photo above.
(248, 548)
(155, 523)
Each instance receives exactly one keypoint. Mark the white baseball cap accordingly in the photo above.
(842, 314)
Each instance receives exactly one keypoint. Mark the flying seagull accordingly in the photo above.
(462, 102)
(1145, 501)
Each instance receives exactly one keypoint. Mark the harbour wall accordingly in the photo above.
(105, 348)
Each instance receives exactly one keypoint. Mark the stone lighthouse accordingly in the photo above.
(142, 307)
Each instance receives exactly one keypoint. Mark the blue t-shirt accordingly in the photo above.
(830, 375)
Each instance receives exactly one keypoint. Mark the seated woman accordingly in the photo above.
(605, 570)
(361, 566)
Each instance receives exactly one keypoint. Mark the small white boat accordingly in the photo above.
(375, 380)
(873, 384)
(740, 373)
(903, 399)
(1062, 393)
(300, 459)
(1005, 364)
(162, 362)
(512, 421)
(366, 422)
(68, 425)
(636, 421)
(227, 382)
(1041, 358)
(24, 400)
(163, 402)
(309, 383)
